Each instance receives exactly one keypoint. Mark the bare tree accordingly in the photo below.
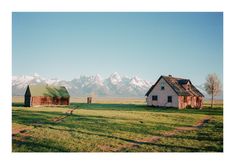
(212, 86)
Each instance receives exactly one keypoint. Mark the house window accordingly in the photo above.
(169, 99)
(154, 98)
(162, 86)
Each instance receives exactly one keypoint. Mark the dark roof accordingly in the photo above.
(177, 85)
(183, 81)
(48, 90)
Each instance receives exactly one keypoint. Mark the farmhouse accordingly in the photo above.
(170, 91)
(37, 95)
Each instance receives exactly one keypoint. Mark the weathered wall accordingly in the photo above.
(39, 100)
(192, 101)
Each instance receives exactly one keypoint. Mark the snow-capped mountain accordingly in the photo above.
(115, 78)
(113, 86)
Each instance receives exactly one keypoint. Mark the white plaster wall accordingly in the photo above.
(162, 95)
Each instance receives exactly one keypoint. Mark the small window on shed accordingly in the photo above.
(169, 99)
(154, 98)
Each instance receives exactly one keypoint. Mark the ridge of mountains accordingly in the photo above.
(113, 86)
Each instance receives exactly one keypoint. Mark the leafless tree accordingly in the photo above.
(212, 86)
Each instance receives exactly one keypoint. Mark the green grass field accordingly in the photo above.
(117, 127)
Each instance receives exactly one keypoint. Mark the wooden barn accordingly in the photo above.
(170, 91)
(46, 95)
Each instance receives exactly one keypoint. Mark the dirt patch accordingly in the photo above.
(126, 146)
(70, 112)
(17, 131)
(169, 133)
(149, 139)
(58, 119)
(197, 125)
(119, 148)
(200, 123)
(106, 148)
(178, 129)
(21, 134)
(185, 128)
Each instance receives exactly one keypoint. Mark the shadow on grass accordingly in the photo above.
(34, 117)
(17, 104)
(33, 145)
(100, 125)
(214, 128)
(130, 140)
(133, 107)
(89, 123)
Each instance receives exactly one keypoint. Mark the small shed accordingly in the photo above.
(46, 95)
(89, 100)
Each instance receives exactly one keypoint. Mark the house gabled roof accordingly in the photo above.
(48, 90)
(177, 85)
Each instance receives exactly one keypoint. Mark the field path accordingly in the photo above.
(196, 126)
(20, 132)
(153, 139)
(68, 113)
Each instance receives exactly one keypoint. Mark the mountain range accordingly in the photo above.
(113, 86)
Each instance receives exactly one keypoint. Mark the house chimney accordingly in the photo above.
(170, 75)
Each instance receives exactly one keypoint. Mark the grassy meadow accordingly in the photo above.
(115, 125)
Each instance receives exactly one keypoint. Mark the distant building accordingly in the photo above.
(170, 91)
(37, 95)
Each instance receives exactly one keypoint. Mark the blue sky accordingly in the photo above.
(67, 45)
